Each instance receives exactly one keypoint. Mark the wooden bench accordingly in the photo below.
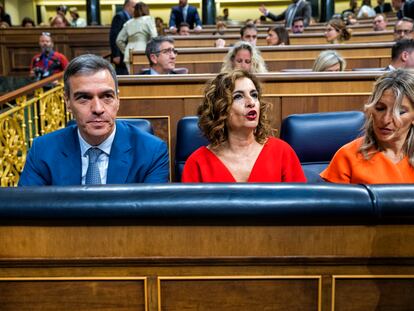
(209, 60)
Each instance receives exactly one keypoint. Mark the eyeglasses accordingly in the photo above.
(46, 34)
(403, 31)
(167, 51)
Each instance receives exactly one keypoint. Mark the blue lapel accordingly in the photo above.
(70, 161)
(120, 159)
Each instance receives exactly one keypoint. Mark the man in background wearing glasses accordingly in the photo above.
(48, 62)
(161, 55)
(403, 29)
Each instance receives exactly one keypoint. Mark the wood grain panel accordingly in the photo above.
(79, 295)
(235, 294)
(370, 293)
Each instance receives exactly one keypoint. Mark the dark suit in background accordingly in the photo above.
(303, 10)
(409, 9)
(176, 17)
(117, 22)
(385, 8)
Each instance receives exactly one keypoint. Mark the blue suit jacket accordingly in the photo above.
(136, 157)
(176, 17)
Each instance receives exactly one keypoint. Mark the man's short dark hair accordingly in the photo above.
(153, 46)
(401, 46)
(245, 27)
(299, 18)
(87, 64)
(183, 24)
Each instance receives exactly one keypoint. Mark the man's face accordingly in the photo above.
(130, 7)
(184, 31)
(94, 102)
(45, 43)
(182, 2)
(298, 27)
(397, 4)
(164, 61)
(403, 30)
(379, 23)
(250, 35)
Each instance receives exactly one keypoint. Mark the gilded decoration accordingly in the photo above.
(21, 122)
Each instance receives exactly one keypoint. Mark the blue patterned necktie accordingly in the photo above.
(93, 177)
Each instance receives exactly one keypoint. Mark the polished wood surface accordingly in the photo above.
(87, 265)
(209, 60)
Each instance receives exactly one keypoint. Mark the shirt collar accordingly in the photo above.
(105, 146)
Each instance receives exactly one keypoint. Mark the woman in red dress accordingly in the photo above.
(235, 121)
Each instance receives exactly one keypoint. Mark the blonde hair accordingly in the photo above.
(258, 64)
(328, 59)
(401, 83)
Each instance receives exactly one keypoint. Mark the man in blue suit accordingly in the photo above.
(184, 13)
(98, 150)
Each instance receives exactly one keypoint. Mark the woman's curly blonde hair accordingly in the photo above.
(213, 112)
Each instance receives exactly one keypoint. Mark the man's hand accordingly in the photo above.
(116, 60)
(173, 30)
(263, 9)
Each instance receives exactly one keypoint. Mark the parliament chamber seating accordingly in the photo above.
(316, 137)
(142, 124)
(189, 139)
(207, 247)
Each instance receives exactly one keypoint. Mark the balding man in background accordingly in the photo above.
(117, 22)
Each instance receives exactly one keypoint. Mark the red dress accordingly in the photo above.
(277, 162)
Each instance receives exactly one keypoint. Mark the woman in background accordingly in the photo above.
(244, 56)
(277, 36)
(235, 120)
(337, 32)
(136, 32)
(385, 153)
(329, 61)
(366, 10)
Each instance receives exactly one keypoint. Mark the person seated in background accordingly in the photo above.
(236, 122)
(60, 20)
(353, 7)
(336, 31)
(249, 33)
(329, 61)
(383, 7)
(403, 29)
(161, 55)
(277, 35)
(402, 55)
(97, 150)
(298, 8)
(244, 56)
(298, 25)
(366, 11)
(385, 153)
(380, 22)
(28, 22)
(184, 29)
(349, 18)
(220, 28)
(184, 13)
(136, 32)
(225, 17)
(47, 62)
(77, 21)
(159, 24)
(4, 17)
